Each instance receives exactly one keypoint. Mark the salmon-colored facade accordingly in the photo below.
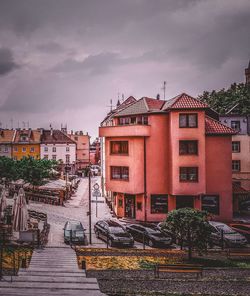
(160, 156)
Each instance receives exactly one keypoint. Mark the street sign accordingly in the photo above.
(96, 193)
(97, 201)
(96, 186)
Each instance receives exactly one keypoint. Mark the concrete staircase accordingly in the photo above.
(52, 271)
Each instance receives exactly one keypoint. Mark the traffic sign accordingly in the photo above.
(96, 193)
(96, 186)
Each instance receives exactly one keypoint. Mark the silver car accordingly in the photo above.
(74, 232)
(231, 238)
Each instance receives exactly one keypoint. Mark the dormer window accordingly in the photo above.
(235, 124)
(24, 138)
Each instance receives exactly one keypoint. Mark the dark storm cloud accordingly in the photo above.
(7, 63)
(50, 47)
(80, 53)
(94, 64)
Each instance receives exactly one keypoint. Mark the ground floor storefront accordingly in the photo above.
(154, 207)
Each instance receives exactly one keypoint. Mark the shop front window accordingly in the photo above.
(159, 203)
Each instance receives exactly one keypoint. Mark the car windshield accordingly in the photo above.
(116, 230)
(225, 228)
(152, 231)
(76, 227)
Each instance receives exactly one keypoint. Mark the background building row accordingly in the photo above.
(72, 149)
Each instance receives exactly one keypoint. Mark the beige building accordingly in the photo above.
(82, 149)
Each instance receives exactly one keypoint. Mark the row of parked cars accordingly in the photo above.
(117, 234)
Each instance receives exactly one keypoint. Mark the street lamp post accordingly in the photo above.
(90, 231)
(67, 169)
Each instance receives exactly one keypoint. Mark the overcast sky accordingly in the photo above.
(62, 61)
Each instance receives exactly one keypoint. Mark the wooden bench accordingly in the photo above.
(238, 253)
(178, 268)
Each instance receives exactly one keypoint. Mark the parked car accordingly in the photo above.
(165, 231)
(149, 234)
(74, 232)
(231, 237)
(243, 229)
(113, 233)
(244, 206)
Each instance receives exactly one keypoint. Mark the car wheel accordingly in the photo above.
(150, 243)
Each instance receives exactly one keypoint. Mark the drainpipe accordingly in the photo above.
(145, 179)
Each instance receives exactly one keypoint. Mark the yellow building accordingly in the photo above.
(26, 143)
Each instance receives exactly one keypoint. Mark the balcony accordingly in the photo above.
(133, 130)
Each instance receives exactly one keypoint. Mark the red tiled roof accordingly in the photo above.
(6, 136)
(184, 101)
(55, 137)
(154, 104)
(214, 127)
(33, 136)
(237, 189)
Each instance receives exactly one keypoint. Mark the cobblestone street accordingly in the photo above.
(74, 209)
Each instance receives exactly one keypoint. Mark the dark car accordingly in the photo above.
(74, 232)
(149, 234)
(243, 229)
(113, 233)
(231, 237)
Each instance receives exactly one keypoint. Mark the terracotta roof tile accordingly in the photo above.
(55, 137)
(184, 101)
(129, 101)
(6, 136)
(33, 136)
(154, 104)
(213, 127)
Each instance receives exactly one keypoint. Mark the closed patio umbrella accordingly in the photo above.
(20, 222)
(3, 203)
(14, 205)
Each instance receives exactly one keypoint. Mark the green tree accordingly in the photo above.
(8, 169)
(223, 100)
(189, 226)
(34, 171)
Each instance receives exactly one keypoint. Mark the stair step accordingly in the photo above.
(46, 285)
(58, 274)
(54, 279)
(48, 292)
(37, 268)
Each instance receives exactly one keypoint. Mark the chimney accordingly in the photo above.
(51, 130)
(158, 96)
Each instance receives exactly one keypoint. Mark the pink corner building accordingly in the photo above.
(164, 155)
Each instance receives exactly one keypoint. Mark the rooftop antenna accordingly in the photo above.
(24, 124)
(122, 97)
(1, 124)
(28, 124)
(111, 105)
(18, 124)
(164, 89)
(11, 123)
